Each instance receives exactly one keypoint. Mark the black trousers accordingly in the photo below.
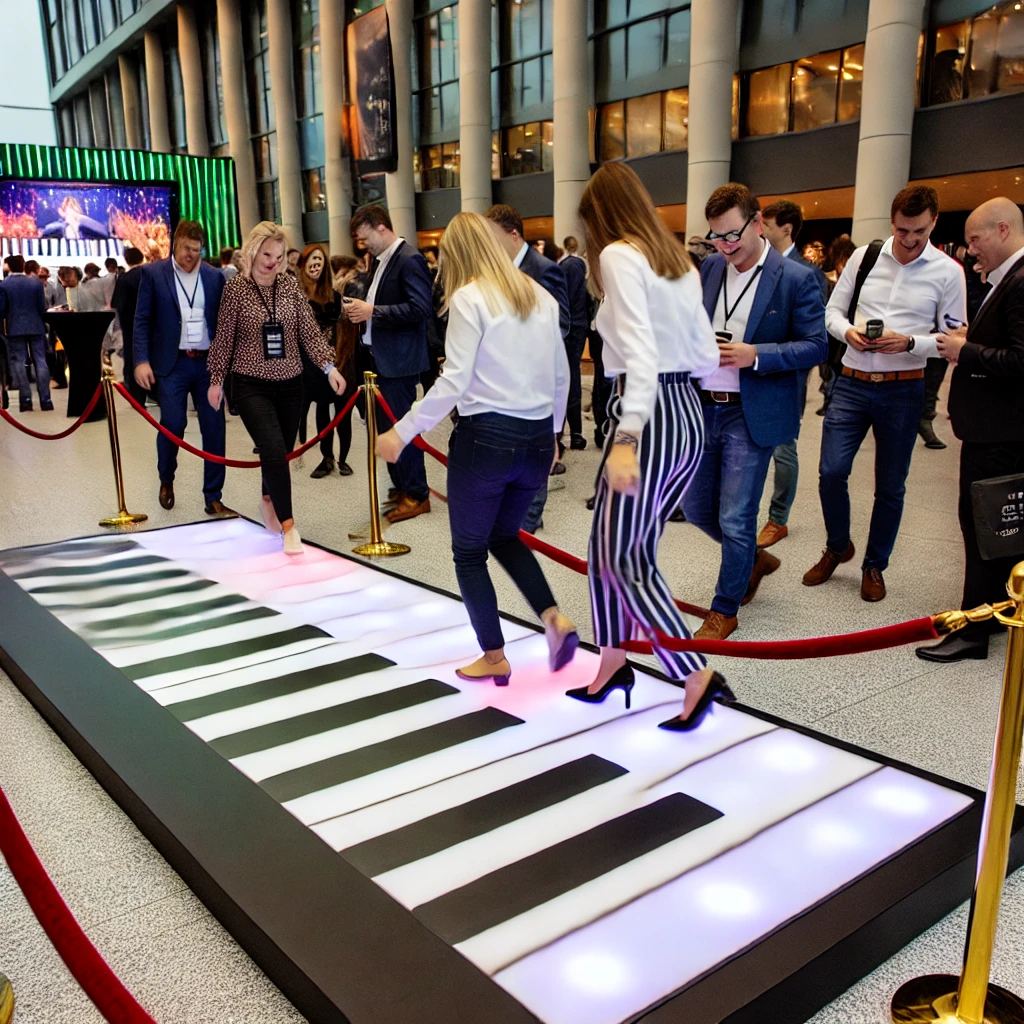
(984, 582)
(270, 410)
(602, 388)
(316, 390)
(934, 374)
(574, 346)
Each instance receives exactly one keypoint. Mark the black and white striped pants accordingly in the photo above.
(629, 597)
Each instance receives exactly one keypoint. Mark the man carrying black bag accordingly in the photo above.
(986, 406)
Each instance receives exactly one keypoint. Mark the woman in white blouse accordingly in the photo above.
(656, 336)
(506, 372)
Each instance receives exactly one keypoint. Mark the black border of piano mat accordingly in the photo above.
(341, 949)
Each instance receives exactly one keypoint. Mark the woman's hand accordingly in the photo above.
(389, 446)
(335, 379)
(622, 470)
(215, 395)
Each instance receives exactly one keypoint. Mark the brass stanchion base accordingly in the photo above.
(123, 519)
(381, 548)
(6, 1000)
(932, 998)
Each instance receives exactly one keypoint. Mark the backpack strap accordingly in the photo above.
(866, 266)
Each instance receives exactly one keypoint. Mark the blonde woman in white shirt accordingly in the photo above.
(656, 336)
(506, 372)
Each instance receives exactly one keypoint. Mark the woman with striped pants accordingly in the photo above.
(657, 335)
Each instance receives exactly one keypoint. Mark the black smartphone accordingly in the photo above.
(873, 330)
(723, 337)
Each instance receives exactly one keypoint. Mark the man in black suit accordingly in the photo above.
(123, 301)
(394, 318)
(576, 287)
(986, 406)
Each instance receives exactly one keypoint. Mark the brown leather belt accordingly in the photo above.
(882, 378)
(720, 397)
(199, 353)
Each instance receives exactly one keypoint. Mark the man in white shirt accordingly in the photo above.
(912, 291)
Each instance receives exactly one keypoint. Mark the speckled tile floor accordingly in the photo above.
(178, 960)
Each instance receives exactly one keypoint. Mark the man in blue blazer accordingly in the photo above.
(575, 271)
(770, 319)
(22, 304)
(175, 321)
(394, 318)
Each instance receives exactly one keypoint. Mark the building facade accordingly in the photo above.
(836, 103)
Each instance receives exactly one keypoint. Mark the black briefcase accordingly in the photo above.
(998, 507)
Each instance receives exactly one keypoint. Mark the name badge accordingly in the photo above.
(194, 329)
(273, 340)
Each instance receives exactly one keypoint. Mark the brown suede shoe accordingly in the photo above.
(167, 496)
(771, 533)
(827, 564)
(408, 508)
(764, 565)
(872, 586)
(716, 627)
(218, 508)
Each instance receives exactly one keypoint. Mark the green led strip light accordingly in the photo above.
(206, 185)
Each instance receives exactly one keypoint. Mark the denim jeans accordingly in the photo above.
(408, 474)
(891, 410)
(18, 348)
(724, 498)
(496, 464)
(787, 473)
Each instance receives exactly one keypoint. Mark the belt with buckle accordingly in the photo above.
(883, 378)
(196, 353)
(720, 397)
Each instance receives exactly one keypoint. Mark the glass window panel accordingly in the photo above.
(515, 142)
(768, 101)
(318, 99)
(815, 85)
(608, 13)
(613, 133)
(90, 24)
(735, 107)
(529, 89)
(1011, 49)
(495, 99)
(108, 17)
(548, 78)
(127, 8)
(611, 59)
(432, 167)
(643, 124)
(313, 195)
(261, 157)
(547, 141)
(641, 8)
(495, 155)
(432, 111)
(547, 33)
(311, 141)
(644, 46)
(677, 52)
(448, 42)
(450, 107)
(525, 29)
(947, 78)
(450, 165)
(529, 155)
(677, 118)
(981, 72)
(417, 171)
(71, 36)
(430, 70)
(592, 135)
(850, 83)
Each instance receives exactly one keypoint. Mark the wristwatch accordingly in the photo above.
(910, 344)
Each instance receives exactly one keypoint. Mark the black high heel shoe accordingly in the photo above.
(717, 687)
(623, 680)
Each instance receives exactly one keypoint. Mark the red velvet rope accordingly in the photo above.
(89, 969)
(220, 459)
(64, 433)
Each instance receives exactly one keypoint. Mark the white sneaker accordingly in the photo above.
(293, 542)
(270, 520)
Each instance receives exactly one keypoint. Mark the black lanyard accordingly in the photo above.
(271, 309)
(191, 301)
(725, 293)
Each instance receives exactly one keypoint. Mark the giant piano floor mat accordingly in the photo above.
(393, 844)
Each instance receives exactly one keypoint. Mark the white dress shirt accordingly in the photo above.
(371, 296)
(520, 256)
(995, 276)
(195, 332)
(741, 288)
(914, 299)
(792, 246)
(650, 325)
(495, 362)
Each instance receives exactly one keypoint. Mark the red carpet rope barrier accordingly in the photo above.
(220, 459)
(64, 433)
(89, 969)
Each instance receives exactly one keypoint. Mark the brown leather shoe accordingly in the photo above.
(408, 508)
(167, 496)
(872, 586)
(716, 627)
(827, 564)
(771, 533)
(394, 499)
(764, 565)
(218, 508)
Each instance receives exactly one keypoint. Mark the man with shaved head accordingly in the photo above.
(986, 406)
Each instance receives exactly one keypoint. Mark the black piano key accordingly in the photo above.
(142, 577)
(161, 615)
(120, 599)
(477, 817)
(186, 629)
(90, 570)
(66, 549)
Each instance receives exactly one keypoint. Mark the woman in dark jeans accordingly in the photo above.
(507, 373)
(263, 319)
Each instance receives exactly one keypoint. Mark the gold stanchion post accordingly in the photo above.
(377, 546)
(6, 1000)
(123, 517)
(971, 998)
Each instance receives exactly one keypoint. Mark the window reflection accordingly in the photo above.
(638, 39)
(644, 43)
(850, 83)
(436, 71)
(768, 100)
(440, 166)
(613, 133)
(643, 124)
(527, 148)
(677, 118)
(815, 83)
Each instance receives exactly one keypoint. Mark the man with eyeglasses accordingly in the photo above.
(768, 315)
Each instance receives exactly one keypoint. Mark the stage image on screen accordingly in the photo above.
(52, 220)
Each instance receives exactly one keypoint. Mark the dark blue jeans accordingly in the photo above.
(496, 464)
(724, 497)
(189, 377)
(408, 474)
(891, 410)
(19, 347)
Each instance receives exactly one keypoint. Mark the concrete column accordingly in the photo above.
(197, 139)
(232, 70)
(156, 88)
(886, 113)
(400, 188)
(131, 99)
(712, 65)
(572, 123)
(98, 108)
(337, 167)
(83, 122)
(475, 101)
(282, 84)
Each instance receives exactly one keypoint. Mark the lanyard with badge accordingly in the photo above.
(725, 293)
(196, 317)
(273, 329)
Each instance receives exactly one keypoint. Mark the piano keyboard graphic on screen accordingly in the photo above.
(62, 248)
(588, 861)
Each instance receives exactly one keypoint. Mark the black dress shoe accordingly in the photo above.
(24, 406)
(344, 469)
(167, 496)
(577, 442)
(591, 502)
(325, 468)
(955, 647)
(5, 401)
(928, 435)
(46, 406)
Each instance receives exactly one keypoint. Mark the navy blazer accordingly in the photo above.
(401, 307)
(787, 324)
(157, 330)
(575, 271)
(24, 303)
(125, 301)
(819, 274)
(551, 277)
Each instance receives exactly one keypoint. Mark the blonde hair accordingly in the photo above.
(265, 231)
(470, 252)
